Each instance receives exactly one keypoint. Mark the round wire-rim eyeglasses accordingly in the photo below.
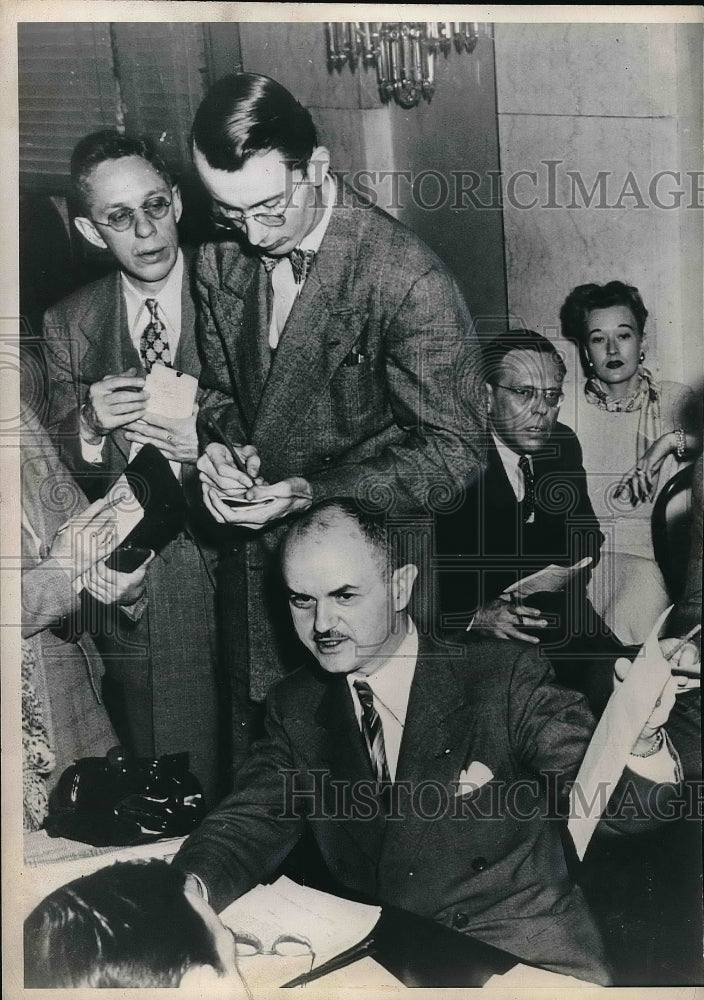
(238, 221)
(122, 219)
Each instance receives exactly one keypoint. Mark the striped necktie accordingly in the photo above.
(154, 342)
(529, 483)
(373, 732)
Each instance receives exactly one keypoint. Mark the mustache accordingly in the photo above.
(330, 634)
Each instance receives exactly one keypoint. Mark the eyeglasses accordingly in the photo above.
(233, 218)
(529, 393)
(285, 946)
(122, 218)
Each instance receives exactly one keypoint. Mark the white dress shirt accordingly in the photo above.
(285, 289)
(138, 318)
(391, 687)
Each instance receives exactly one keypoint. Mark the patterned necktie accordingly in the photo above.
(301, 263)
(373, 732)
(154, 343)
(529, 483)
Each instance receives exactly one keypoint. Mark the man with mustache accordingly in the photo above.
(421, 770)
(161, 685)
(528, 509)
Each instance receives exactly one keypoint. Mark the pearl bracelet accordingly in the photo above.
(657, 745)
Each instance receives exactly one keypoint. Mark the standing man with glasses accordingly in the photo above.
(161, 682)
(339, 358)
(529, 509)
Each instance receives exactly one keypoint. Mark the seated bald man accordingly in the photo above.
(380, 724)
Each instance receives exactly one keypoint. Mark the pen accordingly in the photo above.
(353, 954)
(223, 438)
(683, 641)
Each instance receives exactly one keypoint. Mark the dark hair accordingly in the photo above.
(247, 113)
(495, 350)
(575, 310)
(126, 925)
(373, 527)
(108, 144)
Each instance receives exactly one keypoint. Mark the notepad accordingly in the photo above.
(551, 579)
(171, 393)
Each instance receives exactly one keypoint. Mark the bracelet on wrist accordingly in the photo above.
(681, 440)
(657, 745)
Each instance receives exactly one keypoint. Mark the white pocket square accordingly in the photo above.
(473, 777)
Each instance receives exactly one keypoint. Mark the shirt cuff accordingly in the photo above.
(92, 453)
(661, 767)
(196, 885)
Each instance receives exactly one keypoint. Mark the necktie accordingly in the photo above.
(529, 483)
(373, 732)
(154, 343)
(301, 263)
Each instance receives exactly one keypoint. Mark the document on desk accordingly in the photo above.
(330, 923)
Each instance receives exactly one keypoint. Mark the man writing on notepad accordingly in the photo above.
(527, 511)
(422, 775)
(102, 343)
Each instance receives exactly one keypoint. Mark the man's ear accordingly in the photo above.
(402, 582)
(88, 231)
(318, 166)
(177, 203)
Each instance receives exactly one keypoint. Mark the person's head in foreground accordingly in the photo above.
(348, 587)
(128, 925)
(524, 375)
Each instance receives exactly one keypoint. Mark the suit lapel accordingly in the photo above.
(321, 330)
(436, 737)
(344, 752)
(187, 358)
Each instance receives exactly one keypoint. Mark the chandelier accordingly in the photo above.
(403, 53)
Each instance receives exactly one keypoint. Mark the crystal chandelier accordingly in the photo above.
(403, 53)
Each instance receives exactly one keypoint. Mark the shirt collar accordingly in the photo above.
(169, 298)
(313, 240)
(510, 460)
(392, 679)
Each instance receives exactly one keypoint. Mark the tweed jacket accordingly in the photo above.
(373, 390)
(486, 862)
(165, 662)
(68, 670)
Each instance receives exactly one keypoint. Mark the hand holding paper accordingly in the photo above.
(639, 705)
(550, 579)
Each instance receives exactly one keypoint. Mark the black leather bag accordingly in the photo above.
(120, 800)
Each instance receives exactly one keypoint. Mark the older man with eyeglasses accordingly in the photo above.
(161, 683)
(529, 510)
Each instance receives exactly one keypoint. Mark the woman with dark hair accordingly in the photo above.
(635, 434)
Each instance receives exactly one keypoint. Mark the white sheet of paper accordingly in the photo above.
(331, 924)
(550, 579)
(171, 393)
(625, 715)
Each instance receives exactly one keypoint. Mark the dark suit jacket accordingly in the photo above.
(161, 669)
(395, 427)
(488, 863)
(484, 546)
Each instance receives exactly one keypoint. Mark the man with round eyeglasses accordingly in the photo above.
(339, 359)
(161, 682)
(529, 509)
